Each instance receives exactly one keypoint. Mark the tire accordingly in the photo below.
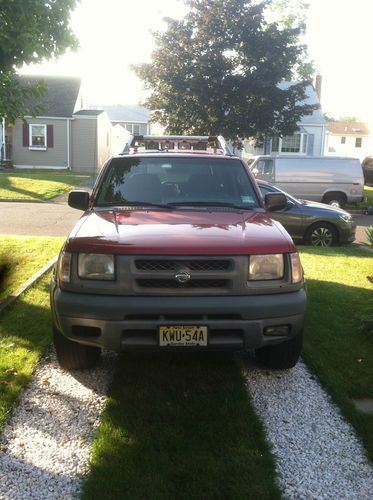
(72, 355)
(321, 234)
(281, 356)
(337, 200)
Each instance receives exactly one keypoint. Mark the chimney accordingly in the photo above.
(318, 83)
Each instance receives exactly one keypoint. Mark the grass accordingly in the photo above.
(37, 185)
(368, 193)
(339, 333)
(24, 336)
(180, 426)
(21, 257)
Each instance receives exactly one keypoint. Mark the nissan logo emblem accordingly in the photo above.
(182, 277)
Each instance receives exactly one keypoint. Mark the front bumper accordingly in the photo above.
(122, 323)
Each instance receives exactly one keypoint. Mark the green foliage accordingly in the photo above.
(217, 71)
(15, 97)
(30, 30)
(369, 233)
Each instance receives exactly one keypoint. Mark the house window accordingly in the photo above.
(343, 140)
(38, 137)
(296, 143)
(136, 129)
(358, 142)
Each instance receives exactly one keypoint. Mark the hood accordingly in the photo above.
(178, 232)
(324, 206)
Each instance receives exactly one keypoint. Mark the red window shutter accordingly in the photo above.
(50, 138)
(26, 136)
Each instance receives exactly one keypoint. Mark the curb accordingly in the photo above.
(27, 284)
(16, 200)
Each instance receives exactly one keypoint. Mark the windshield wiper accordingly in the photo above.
(210, 204)
(134, 204)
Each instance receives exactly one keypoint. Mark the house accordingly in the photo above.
(63, 136)
(135, 119)
(309, 139)
(346, 138)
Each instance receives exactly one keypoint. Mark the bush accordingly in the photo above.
(369, 234)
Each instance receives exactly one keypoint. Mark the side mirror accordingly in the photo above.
(78, 199)
(275, 201)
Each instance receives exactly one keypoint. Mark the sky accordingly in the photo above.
(114, 34)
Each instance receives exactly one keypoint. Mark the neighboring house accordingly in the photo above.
(135, 119)
(348, 139)
(309, 139)
(62, 137)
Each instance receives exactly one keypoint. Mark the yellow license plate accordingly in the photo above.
(183, 335)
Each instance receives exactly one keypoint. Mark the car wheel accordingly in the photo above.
(321, 235)
(281, 356)
(72, 355)
(336, 200)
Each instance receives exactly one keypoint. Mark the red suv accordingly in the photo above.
(176, 250)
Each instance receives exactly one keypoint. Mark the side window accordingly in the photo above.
(264, 190)
(264, 167)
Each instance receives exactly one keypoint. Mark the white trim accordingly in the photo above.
(49, 117)
(33, 147)
(68, 143)
(41, 167)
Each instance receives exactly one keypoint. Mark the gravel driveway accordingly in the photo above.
(45, 448)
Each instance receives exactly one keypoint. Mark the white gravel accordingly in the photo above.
(45, 447)
(318, 454)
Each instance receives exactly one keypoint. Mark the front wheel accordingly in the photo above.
(72, 355)
(321, 234)
(281, 356)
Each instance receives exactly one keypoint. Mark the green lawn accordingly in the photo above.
(37, 185)
(24, 335)
(368, 193)
(180, 426)
(21, 257)
(339, 328)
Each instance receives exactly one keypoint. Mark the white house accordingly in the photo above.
(348, 139)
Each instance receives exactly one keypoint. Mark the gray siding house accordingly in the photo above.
(63, 137)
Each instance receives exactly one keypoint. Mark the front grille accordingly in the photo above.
(192, 264)
(171, 283)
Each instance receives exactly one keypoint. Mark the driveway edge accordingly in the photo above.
(14, 296)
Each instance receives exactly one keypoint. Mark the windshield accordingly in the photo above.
(176, 181)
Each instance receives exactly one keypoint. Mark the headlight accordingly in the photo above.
(95, 266)
(296, 268)
(266, 267)
(346, 217)
(64, 267)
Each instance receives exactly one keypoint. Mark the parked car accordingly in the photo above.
(328, 179)
(312, 223)
(177, 250)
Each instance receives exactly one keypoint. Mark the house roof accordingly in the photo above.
(126, 113)
(317, 117)
(62, 95)
(348, 128)
(89, 112)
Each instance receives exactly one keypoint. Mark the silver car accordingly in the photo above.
(312, 223)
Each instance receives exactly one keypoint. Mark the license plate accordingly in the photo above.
(183, 335)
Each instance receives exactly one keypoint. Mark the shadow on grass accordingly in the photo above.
(340, 251)
(179, 425)
(69, 179)
(339, 348)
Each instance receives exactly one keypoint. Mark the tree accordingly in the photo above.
(218, 69)
(30, 31)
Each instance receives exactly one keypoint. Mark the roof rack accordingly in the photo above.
(177, 143)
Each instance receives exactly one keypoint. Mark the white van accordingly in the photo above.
(329, 179)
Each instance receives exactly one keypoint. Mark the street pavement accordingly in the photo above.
(56, 218)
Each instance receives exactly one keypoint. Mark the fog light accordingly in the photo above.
(274, 331)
